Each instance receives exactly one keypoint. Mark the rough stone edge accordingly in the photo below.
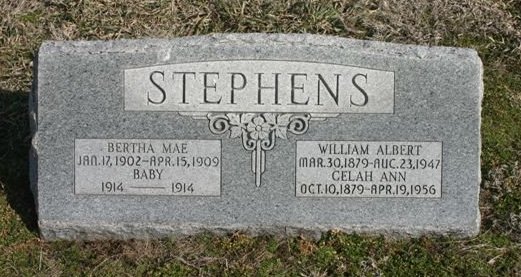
(347, 44)
(33, 125)
(52, 230)
(481, 91)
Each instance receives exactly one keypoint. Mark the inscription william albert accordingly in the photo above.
(259, 100)
(368, 169)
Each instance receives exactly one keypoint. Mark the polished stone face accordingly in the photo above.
(255, 132)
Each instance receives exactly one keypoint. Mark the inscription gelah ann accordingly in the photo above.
(368, 169)
(259, 100)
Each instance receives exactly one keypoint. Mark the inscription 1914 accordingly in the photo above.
(148, 167)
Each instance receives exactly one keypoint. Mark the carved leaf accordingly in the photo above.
(270, 118)
(281, 132)
(283, 119)
(247, 117)
(234, 119)
(235, 132)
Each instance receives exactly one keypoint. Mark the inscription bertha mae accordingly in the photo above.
(148, 167)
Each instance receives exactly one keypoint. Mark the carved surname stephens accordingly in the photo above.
(254, 86)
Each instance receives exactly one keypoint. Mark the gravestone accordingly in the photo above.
(260, 133)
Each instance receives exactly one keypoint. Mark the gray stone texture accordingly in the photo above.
(78, 94)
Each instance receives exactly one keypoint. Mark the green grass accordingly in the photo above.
(492, 27)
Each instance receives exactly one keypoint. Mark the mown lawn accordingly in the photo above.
(492, 27)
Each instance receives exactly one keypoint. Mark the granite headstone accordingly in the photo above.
(261, 133)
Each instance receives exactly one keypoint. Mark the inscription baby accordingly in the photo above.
(145, 165)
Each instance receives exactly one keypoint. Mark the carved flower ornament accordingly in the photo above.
(258, 132)
(258, 128)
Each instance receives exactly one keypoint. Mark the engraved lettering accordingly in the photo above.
(147, 166)
(183, 81)
(352, 176)
(125, 147)
(234, 85)
(364, 93)
(210, 86)
(161, 90)
(393, 176)
(275, 88)
(368, 169)
(259, 86)
(343, 149)
(175, 148)
(410, 150)
(88, 160)
(329, 90)
(147, 174)
(294, 88)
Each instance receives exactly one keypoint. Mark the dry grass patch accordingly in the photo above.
(430, 22)
(27, 23)
(501, 200)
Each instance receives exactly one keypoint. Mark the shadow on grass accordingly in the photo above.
(15, 140)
